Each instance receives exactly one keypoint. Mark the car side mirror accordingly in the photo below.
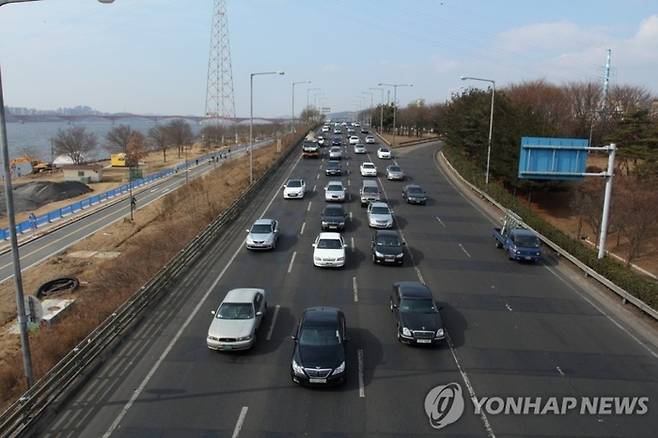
(247, 231)
(284, 186)
(313, 245)
(259, 313)
(395, 306)
(293, 337)
(344, 245)
(404, 243)
(212, 312)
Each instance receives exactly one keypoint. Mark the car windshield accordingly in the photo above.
(379, 210)
(261, 229)
(335, 150)
(333, 164)
(319, 336)
(235, 311)
(335, 188)
(368, 166)
(527, 241)
(417, 305)
(388, 241)
(415, 190)
(394, 169)
(383, 150)
(329, 244)
(333, 212)
(370, 189)
(294, 183)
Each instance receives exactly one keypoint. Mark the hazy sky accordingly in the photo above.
(150, 56)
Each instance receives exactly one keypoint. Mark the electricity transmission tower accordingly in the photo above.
(219, 94)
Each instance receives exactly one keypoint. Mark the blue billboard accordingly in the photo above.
(553, 158)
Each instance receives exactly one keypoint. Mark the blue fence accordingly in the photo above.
(54, 215)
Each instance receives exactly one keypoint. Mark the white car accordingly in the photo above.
(368, 169)
(384, 153)
(335, 153)
(294, 189)
(329, 250)
(370, 139)
(354, 139)
(380, 215)
(321, 141)
(334, 191)
(325, 128)
(236, 320)
(360, 148)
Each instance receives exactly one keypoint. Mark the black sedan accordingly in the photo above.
(333, 168)
(417, 317)
(319, 354)
(333, 217)
(414, 194)
(336, 141)
(387, 247)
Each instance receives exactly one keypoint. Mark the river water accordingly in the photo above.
(36, 136)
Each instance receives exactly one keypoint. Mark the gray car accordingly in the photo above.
(335, 153)
(380, 215)
(394, 173)
(236, 320)
(264, 234)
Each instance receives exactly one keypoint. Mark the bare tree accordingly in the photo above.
(75, 142)
(118, 137)
(212, 135)
(638, 211)
(136, 149)
(158, 137)
(180, 134)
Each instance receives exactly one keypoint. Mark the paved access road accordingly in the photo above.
(516, 330)
(36, 251)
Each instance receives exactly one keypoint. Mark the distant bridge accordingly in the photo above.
(121, 116)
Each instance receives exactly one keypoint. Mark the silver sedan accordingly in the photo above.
(264, 234)
(236, 320)
(394, 173)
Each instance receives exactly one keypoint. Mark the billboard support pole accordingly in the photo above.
(606, 200)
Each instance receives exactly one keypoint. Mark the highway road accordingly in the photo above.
(36, 251)
(515, 330)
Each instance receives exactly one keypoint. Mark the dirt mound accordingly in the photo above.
(33, 195)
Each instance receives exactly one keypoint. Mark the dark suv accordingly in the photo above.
(319, 354)
(417, 316)
(333, 217)
(387, 247)
(333, 168)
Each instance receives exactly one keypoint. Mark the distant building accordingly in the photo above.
(63, 160)
(83, 173)
(20, 167)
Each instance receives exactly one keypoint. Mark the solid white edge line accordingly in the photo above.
(309, 206)
(464, 249)
(271, 330)
(440, 221)
(362, 387)
(292, 261)
(240, 422)
(355, 289)
(352, 242)
(182, 328)
(303, 226)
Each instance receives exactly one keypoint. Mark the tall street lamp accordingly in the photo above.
(9, 200)
(308, 95)
(292, 119)
(381, 107)
(251, 119)
(371, 103)
(493, 94)
(315, 99)
(395, 101)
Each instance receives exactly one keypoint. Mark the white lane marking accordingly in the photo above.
(560, 371)
(440, 221)
(350, 215)
(240, 423)
(271, 330)
(182, 328)
(352, 242)
(465, 378)
(292, 260)
(309, 206)
(302, 230)
(464, 249)
(508, 307)
(355, 289)
(362, 387)
(155, 189)
(315, 187)
(165, 191)
(621, 327)
(349, 182)
(318, 176)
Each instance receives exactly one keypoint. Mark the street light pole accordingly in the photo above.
(395, 100)
(381, 108)
(308, 96)
(21, 317)
(251, 119)
(493, 95)
(292, 119)
(369, 109)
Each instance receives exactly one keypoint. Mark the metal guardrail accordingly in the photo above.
(29, 407)
(625, 296)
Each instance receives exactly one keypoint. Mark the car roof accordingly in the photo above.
(295, 179)
(382, 148)
(330, 236)
(369, 183)
(379, 204)
(394, 165)
(264, 222)
(334, 207)
(413, 289)
(523, 232)
(367, 162)
(321, 315)
(334, 182)
(409, 186)
(241, 295)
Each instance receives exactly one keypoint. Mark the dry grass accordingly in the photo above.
(160, 231)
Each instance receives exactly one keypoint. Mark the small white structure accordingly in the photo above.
(63, 160)
(84, 173)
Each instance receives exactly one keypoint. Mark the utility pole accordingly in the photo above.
(381, 108)
(395, 100)
(491, 115)
(292, 119)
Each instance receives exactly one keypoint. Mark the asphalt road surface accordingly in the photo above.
(36, 251)
(515, 330)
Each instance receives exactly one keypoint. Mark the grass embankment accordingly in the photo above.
(402, 140)
(159, 232)
(636, 284)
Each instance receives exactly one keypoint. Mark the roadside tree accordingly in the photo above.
(75, 142)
